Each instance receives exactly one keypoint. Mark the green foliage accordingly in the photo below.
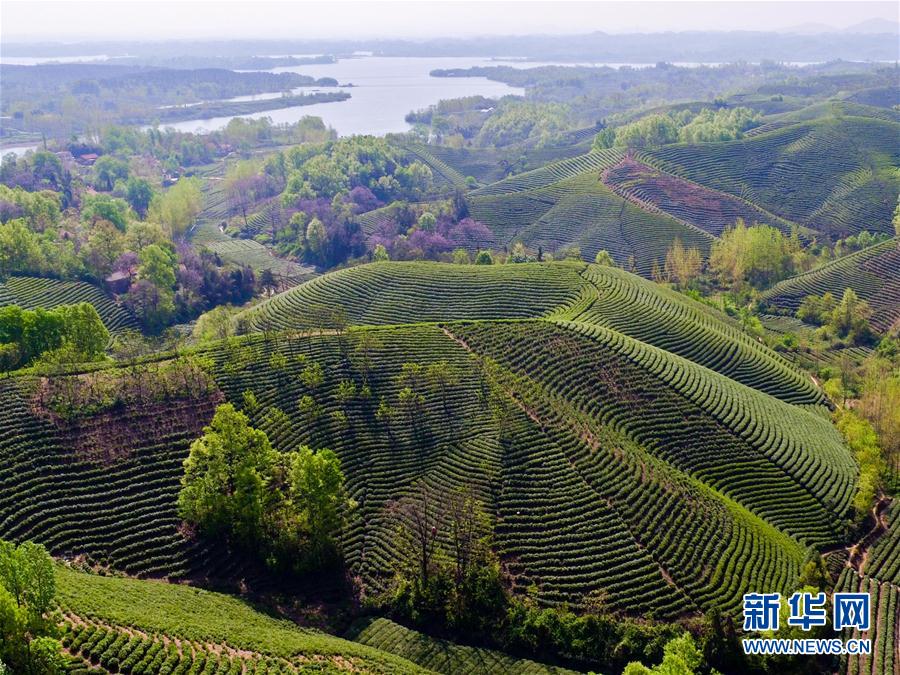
(290, 507)
(759, 255)
(863, 441)
(39, 210)
(139, 194)
(177, 208)
(36, 332)
(216, 324)
(648, 132)
(604, 258)
(108, 170)
(365, 161)
(850, 319)
(225, 488)
(380, 254)
(515, 121)
(105, 207)
(27, 624)
(816, 310)
(680, 657)
(484, 258)
(724, 124)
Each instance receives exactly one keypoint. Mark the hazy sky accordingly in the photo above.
(140, 19)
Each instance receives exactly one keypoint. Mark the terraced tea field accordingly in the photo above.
(885, 618)
(701, 207)
(439, 655)
(873, 273)
(408, 292)
(619, 436)
(833, 175)
(32, 292)
(568, 205)
(137, 627)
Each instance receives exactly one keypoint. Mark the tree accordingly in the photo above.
(216, 324)
(680, 657)
(95, 208)
(816, 310)
(84, 330)
(759, 256)
(224, 489)
(484, 258)
(683, 265)
(461, 257)
(28, 630)
(108, 170)
(427, 221)
(604, 258)
(288, 507)
(177, 208)
(316, 240)
(850, 319)
(380, 254)
(878, 404)
(139, 194)
(317, 494)
(104, 246)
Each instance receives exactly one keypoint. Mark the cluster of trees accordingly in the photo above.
(756, 256)
(29, 633)
(651, 131)
(516, 121)
(127, 227)
(846, 320)
(445, 236)
(288, 507)
(324, 171)
(26, 334)
(874, 388)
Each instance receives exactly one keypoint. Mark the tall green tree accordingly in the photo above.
(28, 627)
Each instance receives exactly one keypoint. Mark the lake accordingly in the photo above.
(384, 90)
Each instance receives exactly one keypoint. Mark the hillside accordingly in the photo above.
(566, 204)
(127, 625)
(873, 273)
(439, 655)
(407, 292)
(32, 292)
(834, 174)
(584, 419)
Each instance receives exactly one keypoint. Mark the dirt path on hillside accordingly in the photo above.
(858, 552)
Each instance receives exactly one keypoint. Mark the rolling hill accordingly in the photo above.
(832, 174)
(566, 204)
(607, 463)
(873, 273)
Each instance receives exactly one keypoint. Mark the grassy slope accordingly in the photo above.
(203, 616)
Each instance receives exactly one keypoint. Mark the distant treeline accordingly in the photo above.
(693, 46)
(63, 99)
